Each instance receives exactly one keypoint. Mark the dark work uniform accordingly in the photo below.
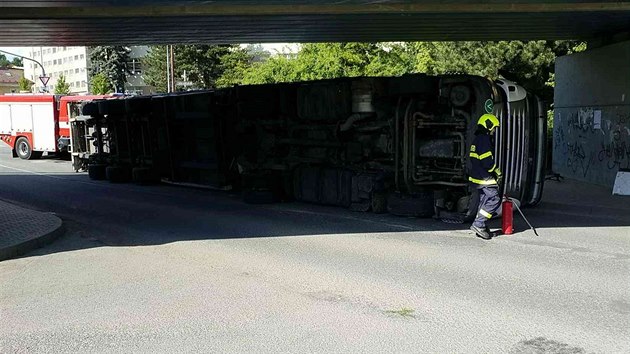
(482, 174)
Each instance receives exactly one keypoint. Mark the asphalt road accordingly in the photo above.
(171, 269)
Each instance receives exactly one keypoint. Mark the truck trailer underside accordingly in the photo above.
(397, 144)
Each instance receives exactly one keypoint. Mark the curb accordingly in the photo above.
(19, 249)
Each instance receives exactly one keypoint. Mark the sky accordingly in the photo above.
(16, 50)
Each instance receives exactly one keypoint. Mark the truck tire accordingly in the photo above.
(24, 150)
(117, 174)
(379, 202)
(111, 107)
(96, 171)
(258, 196)
(418, 204)
(143, 176)
(90, 109)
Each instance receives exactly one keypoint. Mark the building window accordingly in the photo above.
(76, 57)
(82, 70)
(54, 50)
(77, 84)
(65, 60)
(83, 83)
(82, 56)
(69, 59)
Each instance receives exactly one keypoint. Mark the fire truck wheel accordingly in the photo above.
(24, 150)
(117, 174)
(143, 175)
(97, 172)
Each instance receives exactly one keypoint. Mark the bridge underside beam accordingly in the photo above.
(153, 22)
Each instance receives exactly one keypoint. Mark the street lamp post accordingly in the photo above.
(44, 79)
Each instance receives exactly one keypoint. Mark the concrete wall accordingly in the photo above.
(591, 133)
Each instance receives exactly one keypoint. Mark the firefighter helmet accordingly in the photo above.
(488, 121)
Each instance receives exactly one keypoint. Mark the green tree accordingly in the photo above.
(332, 60)
(25, 84)
(530, 64)
(275, 69)
(206, 66)
(4, 62)
(257, 53)
(154, 68)
(234, 65)
(111, 61)
(62, 87)
(17, 62)
(100, 84)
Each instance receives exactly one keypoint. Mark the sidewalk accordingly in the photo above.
(582, 198)
(23, 230)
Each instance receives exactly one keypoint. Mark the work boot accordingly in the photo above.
(481, 232)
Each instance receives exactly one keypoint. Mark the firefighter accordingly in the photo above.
(484, 174)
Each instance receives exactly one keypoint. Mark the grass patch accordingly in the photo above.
(403, 312)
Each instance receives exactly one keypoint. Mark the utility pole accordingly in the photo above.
(173, 68)
(170, 69)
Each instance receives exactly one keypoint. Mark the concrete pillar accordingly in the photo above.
(591, 133)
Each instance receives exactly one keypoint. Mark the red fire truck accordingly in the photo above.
(34, 124)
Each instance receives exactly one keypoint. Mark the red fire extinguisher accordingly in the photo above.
(507, 216)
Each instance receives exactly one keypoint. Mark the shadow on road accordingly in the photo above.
(105, 214)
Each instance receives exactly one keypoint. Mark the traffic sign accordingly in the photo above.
(489, 106)
(44, 79)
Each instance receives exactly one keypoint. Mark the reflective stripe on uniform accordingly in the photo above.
(485, 213)
(492, 168)
(482, 181)
(482, 156)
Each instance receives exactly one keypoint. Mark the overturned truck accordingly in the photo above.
(397, 144)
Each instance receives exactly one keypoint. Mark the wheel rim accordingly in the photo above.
(23, 148)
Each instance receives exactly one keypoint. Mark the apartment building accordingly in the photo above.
(73, 63)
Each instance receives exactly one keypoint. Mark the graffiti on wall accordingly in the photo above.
(615, 151)
(592, 144)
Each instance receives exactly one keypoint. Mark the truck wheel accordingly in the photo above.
(419, 204)
(379, 202)
(117, 174)
(143, 175)
(97, 172)
(90, 109)
(24, 150)
(258, 196)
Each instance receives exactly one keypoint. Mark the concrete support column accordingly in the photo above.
(591, 133)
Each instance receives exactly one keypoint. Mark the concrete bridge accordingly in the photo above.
(90, 22)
